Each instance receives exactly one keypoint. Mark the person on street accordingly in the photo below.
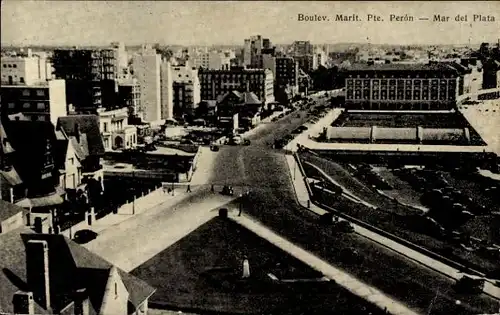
(189, 188)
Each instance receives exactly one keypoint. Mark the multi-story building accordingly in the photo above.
(120, 58)
(306, 62)
(25, 70)
(218, 82)
(252, 51)
(167, 88)
(213, 60)
(147, 70)
(129, 95)
(302, 48)
(186, 90)
(398, 86)
(286, 72)
(90, 76)
(116, 133)
(43, 101)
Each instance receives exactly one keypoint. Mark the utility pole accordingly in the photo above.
(133, 187)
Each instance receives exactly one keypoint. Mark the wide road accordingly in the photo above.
(263, 170)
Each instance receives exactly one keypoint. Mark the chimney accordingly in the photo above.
(77, 132)
(81, 302)
(37, 271)
(23, 303)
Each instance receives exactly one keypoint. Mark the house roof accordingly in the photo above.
(7, 210)
(87, 124)
(71, 267)
(246, 98)
(29, 140)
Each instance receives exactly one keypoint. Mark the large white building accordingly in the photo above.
(147, 70)
(27, 70)
(28, 90)
(186, 89)
(212, 60)
(121, 59)
(116, 133)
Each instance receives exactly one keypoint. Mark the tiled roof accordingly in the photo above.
(7, 210)
(247, 98)
(71, 267)
(87, 124)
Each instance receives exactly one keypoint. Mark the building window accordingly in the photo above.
(105, 127)
(40, 106)
(4, 65)
(40, 92)
(9, 66)
(12, 105)
(26, 105)
(26, 92)
(14, 66)
(71, 161)
(21, 79)
(41, 118)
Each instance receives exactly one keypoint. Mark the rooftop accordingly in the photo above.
(401, 67)
(7, 210)
(76, 268)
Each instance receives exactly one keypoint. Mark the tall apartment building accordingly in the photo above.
(252, 51)
(167, 88)
(120, 58)
(401, 86)
(90, 76)
(218, 82)
(27, 89)
(186, 90)
(287, 70)
(147, 70)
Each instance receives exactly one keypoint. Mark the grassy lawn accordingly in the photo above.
(203, 272)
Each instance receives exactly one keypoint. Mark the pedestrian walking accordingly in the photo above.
(239, 212)
(189, 188)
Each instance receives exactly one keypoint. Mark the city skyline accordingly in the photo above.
(205, 23)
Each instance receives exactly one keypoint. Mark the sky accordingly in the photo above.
(41, 22)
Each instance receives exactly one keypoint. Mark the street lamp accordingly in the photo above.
(133, 195)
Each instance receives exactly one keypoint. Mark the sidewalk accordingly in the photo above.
(347, 281)
(135, 241)
(302, 196)
(155, 199)
(314, 129)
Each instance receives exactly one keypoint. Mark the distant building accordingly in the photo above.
(186, 90)
(302, 48)
(306, 62)
(286, 72)
(213, 60)
(90, 76)
(25, 70)
(116, 133)
(253, 50)
(129, 95)
(393, 86)
(167, 91)
(147, 70)
(491, 74)
(246, 105)
(219, 82)
(42, 101)
(50, 274)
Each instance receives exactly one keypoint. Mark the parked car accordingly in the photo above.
(214, 148)
(470, 284)
(246, 142)
(344, 226)
(84, 236)
(227, 191)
